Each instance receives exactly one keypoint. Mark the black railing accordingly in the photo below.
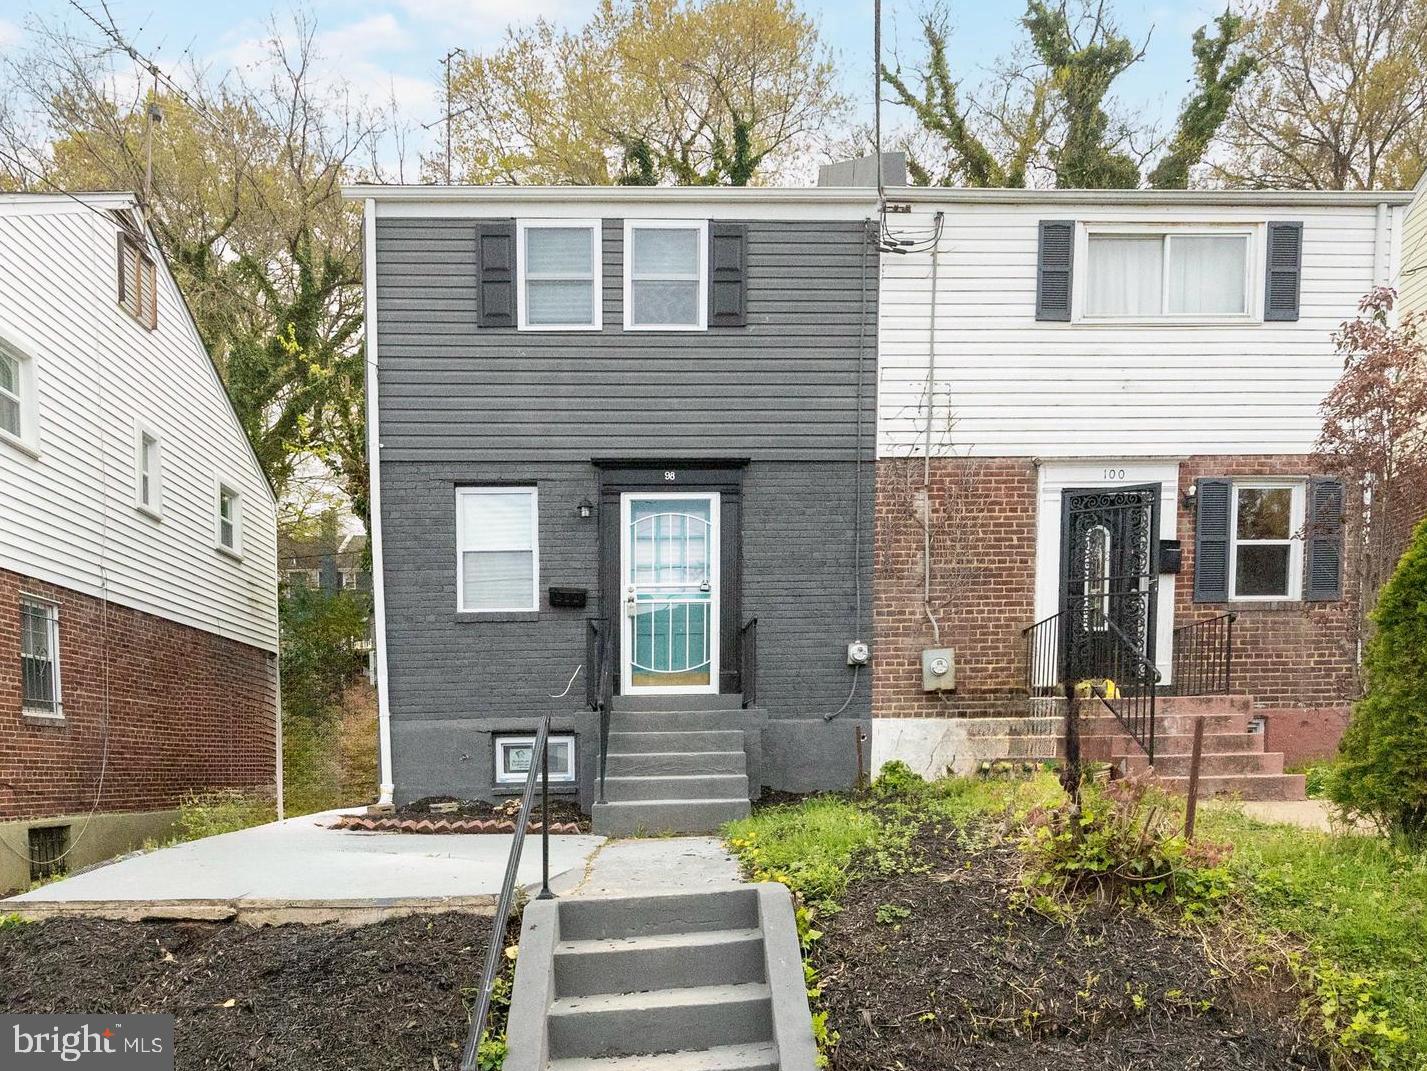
(1204, 656)
(1043, 646)
(539, 764)
(599, 685)
(1126, 682)
(748, 662)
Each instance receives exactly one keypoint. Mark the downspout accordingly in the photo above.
(1379, 249)
(387, 787)
(927, 459)
(277, 779)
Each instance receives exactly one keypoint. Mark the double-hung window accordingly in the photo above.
(1266, 551)
(559, 275)
(148, 471)
(665, 275)
(497, 549)
(228, 520)
(39, 657)
(11, 404)
(1180, 274)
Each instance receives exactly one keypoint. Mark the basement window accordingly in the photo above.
(514, 754)
(48, 846)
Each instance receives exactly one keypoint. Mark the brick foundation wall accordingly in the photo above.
(188, 710)
(1297, 660)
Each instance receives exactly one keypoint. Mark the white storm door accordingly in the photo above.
(669, 556)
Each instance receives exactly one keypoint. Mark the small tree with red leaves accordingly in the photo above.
(1374, 433)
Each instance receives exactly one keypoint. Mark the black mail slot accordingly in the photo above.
(569, 598)
(1170, 556)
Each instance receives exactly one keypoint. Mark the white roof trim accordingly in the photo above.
(1259, 198)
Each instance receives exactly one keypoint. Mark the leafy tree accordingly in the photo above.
(1338, 101)
(1051, 116)
(1220, 70)
(693, 92)
(1382, 772)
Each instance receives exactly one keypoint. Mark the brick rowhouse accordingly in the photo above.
(1297, 660)
(187, 710)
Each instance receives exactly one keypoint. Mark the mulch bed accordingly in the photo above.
(391, 996)
(441, 814)
(965, 981)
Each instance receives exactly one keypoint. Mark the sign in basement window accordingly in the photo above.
(514, 754)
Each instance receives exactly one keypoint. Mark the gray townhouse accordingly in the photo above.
(623, 443)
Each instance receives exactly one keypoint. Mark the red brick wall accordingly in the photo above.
(188, 710)
(1296, 659)
(983, 585)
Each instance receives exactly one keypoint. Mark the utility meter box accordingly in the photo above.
(938, 669)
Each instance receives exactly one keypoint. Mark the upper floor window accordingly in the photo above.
(148, 470)
(138, 282)
(39, 657)
(560, 275)
(497, 549)
(229, 520)
(665, 275)
(1266, 551)
(11, 403)
(1137, 274)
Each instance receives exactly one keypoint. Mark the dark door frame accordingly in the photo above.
(724, 475)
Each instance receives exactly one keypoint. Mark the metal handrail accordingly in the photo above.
(748, 662)
(1204, 656)
(1043, 649)
(470, 1055)
(1151, 674)
(606, 705)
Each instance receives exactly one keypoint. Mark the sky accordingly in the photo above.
(393, 48)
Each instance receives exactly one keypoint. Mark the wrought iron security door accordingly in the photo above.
(669, 573)
(1109, 582)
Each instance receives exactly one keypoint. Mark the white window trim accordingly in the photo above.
(534, 605)
(1295, 538)
(502, 777)
(221, 485)
(155, 506)
(28, 441)
(1253, 272)
(595, 228)
(701, 274)
(32, 712)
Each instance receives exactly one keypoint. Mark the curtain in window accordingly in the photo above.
(1126, 274)
(498, 555)
(1206, 274)
(553, 255)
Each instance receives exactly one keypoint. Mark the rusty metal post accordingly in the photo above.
(1195, 755)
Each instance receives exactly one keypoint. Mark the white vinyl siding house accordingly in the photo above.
(109, 485)
(1140, 374)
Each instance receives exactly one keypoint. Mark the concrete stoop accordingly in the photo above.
(1233, 761)
(676, 764)
(701, 981)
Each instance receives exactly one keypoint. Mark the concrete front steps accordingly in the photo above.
(705, 981)
(1233, 761)
(676, 764)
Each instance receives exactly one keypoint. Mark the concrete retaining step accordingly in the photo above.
(1246, 786)
(609, 918)
(629, 818)
(1105, 746)
(674, 960)
(693, 701)
(1221, 764)
(1205, 704)
(757, 1057)
(693, 720)
(676, 787)
(1107, 724)
(664, 1020)
(623, 742)
(675, 763)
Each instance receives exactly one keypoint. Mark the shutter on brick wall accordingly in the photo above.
(495, 268)
(1053, 269)
(1324, 539)
(1211, 540)
(728, 275)
(1283, 269)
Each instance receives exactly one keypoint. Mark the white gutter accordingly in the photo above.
(859, 196)
(374, 501)
(1166, 198)
(1379, 246)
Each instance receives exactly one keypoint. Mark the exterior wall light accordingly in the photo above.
(586, 509)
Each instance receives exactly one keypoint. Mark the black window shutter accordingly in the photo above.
(728, 275)
(1211, 540)
(1324, 539)
(495, 271)
(1283, 270)
(1053, 269)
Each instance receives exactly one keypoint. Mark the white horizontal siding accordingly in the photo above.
(1007, 384)
(1412, 284)
(68, 515)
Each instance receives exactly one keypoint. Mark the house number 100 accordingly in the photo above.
(1114, 474)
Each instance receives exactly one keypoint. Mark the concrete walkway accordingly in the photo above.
(652, 865)
(299, 870)
(1318, 815)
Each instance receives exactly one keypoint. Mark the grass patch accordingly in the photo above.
(808, 846)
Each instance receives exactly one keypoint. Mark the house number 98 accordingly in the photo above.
(1114, 474)
(670, 474)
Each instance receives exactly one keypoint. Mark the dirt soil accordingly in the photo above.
(562, 809)
(391, 996)
(963, 981)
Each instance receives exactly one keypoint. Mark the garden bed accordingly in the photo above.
(392, 995)
(440, 814)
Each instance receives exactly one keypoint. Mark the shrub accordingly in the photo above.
(207, 814)
(1123, 839)
(897, 780)
(1382, 769)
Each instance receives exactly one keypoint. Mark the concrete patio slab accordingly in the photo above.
(299, 870)
(643, 866)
